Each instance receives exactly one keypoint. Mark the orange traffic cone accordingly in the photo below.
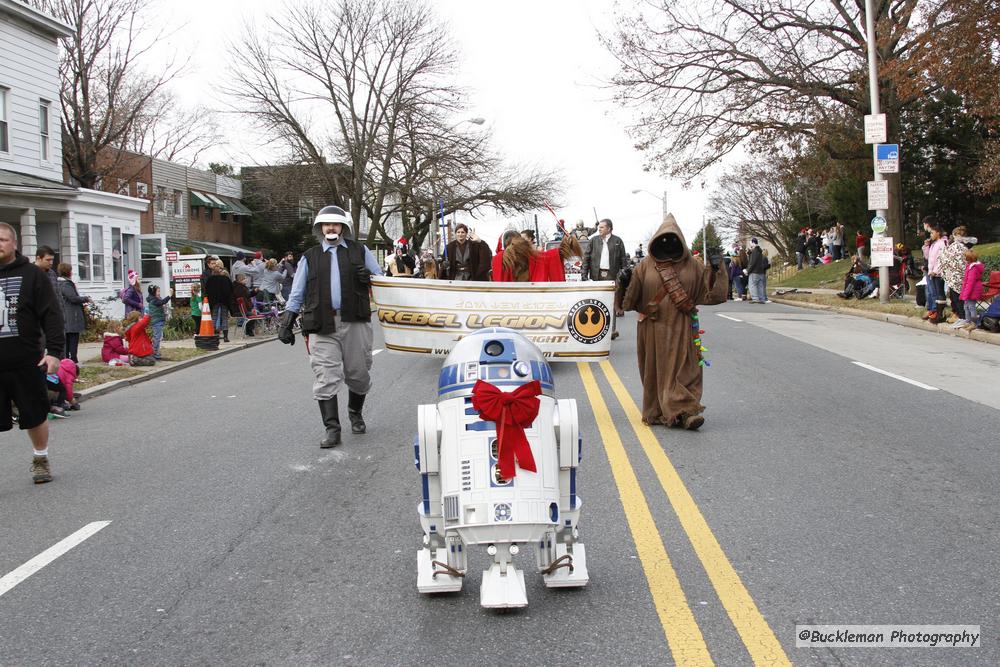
(206, 338)
(207, 327)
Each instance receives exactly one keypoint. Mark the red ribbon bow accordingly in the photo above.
(513, 412)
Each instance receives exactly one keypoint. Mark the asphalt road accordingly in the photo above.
(819, 491)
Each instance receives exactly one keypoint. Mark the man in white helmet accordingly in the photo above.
(330, 292)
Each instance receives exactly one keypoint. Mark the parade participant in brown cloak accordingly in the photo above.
(666, 288)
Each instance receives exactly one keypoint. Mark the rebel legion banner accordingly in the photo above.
(568, 321)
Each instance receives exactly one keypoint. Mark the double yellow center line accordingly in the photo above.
(687, 645)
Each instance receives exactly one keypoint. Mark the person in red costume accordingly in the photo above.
(140, 347)
(521, 262)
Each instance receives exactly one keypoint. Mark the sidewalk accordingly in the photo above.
(914, 321)
(90, 357)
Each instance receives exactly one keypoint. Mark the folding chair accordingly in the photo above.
(991, 289)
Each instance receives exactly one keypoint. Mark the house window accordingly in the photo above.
(97, 251)
(4, 131)
(141, 190)
(307, 206)
(83, 252)
(116, 255)
(161, 199)
(43, 128)
(178, 203)
(149, 250)
(90, 252)
(122, 187)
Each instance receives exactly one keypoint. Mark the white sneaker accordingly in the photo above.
(959, 324)
(737, 299)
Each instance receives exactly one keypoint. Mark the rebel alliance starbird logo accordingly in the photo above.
(589, 320)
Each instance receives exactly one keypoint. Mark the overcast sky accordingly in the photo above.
(534, 71)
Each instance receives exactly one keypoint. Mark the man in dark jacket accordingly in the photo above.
(756, 270)
(800, 248)
(467, 257)
(604, 259)
(31, 344)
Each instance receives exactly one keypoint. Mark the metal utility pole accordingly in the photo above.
(873, 91)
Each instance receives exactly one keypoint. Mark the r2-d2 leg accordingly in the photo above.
(561, 557)
(441, 564)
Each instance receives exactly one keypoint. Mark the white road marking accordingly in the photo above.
(13, 578)
(335, 456)
(376, 352)
(728, 318)
(897, 377)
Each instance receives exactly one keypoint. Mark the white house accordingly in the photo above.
(97, 233)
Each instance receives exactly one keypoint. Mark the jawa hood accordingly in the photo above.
(668, 242)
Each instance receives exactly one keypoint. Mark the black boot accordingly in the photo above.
(354, 404)
(225, 335)
(331, 420)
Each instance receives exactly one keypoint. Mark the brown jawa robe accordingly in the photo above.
(668, 358)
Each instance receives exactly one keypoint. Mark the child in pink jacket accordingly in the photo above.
(114, 352)
(972, 286)
(67, 373)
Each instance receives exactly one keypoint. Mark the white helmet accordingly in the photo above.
(332, 214)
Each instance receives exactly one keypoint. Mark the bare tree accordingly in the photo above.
(753, 200)
(377, 74)
(109, 100)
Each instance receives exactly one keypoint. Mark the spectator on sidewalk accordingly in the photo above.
(157, 316)
(287, 267)
(68, 372)
(219, 290)
(972, 289)
(194, 303)
(755, 271)
(131, 296)
(953, 268)
(800, 249)
(30, 347)
(74, 321)
(859, 243)
(251, 268)
(838, 241)
(736, 276)
(270, 282)
(114, 352)
(140, 348)
(937, 298)
(44, 258)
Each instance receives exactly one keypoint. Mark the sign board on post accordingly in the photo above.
(875, 129)
(184, 273)
(171, 256)
(878, 225)
(882, 251)
(878, 195)
(887, 158)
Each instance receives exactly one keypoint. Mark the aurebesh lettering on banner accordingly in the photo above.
(568, 321)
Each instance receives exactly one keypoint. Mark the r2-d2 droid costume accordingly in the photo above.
(466, 448)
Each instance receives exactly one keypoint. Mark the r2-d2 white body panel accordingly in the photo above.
(466, 501)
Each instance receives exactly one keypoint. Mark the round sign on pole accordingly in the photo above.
(878, 224)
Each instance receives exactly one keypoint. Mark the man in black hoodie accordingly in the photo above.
(31, 343)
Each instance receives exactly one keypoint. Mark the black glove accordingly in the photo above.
(285, 333)
(364, 276)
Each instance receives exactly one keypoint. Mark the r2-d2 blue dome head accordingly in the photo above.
(499, 356)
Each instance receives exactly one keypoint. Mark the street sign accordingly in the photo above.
(875, 129)
(887, 158)
(171, 256)
(184, 273)
(878, 195)
(882, 251)
(878, 224)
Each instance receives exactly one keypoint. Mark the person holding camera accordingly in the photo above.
(330, 293)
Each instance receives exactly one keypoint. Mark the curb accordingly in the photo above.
(901, 320)
(108, 387)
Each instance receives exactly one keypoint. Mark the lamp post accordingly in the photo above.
(437, 215)
(662, 199)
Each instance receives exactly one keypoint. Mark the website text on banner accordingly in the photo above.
(568, 321)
